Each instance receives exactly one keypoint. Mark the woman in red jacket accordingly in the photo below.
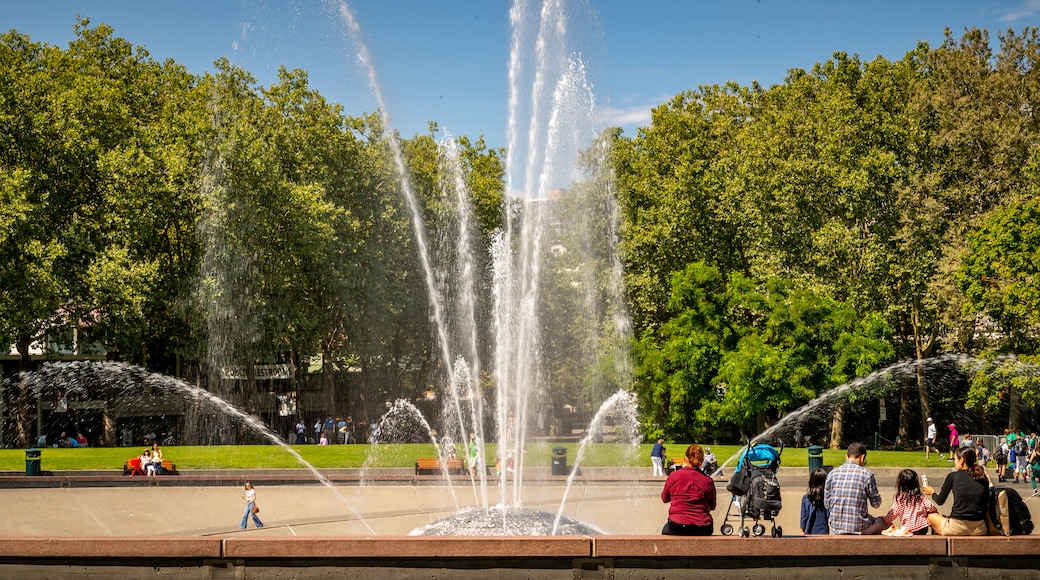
(692, 497)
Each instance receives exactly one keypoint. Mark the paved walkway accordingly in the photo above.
(386, 502)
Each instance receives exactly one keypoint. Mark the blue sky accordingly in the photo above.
(446, 61)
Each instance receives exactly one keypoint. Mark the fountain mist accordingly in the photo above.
(131, 381)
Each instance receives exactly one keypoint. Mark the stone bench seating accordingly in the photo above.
(528, 546)
(249, 555)
(436, 465)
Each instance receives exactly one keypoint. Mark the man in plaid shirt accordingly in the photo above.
(846, 493)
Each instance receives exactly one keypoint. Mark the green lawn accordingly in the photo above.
(393, 455)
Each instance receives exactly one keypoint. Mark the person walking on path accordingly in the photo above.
(473, 454)
(1022, 448)
(249, 495)
(1001, 455)
(657, 458)
(846, 493)
(954, 441)
(930, 439)
(1034, 469)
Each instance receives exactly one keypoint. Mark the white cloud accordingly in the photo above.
(627, 116)
(1027, 9)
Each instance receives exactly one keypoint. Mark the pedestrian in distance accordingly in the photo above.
(1034, 469)
(657, 458)
(249, 496)
(954, 441)
(1001, 455)
(930, 439)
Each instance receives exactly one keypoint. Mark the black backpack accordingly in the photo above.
(999, 454)
(1007, 514)
(764, 500)
(1021, 447)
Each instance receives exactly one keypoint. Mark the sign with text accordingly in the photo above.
(260, 372)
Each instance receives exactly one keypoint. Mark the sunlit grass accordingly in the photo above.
(404, 456)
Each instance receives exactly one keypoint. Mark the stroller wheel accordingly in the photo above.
(745, 532)
(726, 529)
(778, 532)
(759, 529)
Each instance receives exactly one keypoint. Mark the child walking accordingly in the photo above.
(910, 506)
(814, 514)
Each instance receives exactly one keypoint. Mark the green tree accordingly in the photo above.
(89, 153)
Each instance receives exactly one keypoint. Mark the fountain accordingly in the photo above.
(556, 108)
(96, 381)
(551, 109)
(877, 384)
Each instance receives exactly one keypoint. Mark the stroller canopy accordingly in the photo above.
(761, 455)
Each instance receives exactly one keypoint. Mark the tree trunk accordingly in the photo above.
(837, 424)
(903, 438)
(920, 350)
(761, 423)
(23, 428)
(327, 386)
(1014, 404)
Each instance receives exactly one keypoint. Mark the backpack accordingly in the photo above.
(1007, 514)
(1000, 454)
(764, 495)
(739, 482)
(983, 455)
(1021, 447)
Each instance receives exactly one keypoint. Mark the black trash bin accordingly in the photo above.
(32, 462)
(559, 461)
(815, 457)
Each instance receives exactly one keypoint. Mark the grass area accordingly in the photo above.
(403, 455)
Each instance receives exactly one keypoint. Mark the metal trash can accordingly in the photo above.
(559, 461)
(32, 462)
(815, 457)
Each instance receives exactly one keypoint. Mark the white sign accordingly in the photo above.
(260, 372)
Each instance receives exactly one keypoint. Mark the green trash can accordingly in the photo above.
(32, 462)
(815, 457)
(559, 461)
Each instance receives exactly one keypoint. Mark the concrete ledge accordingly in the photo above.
(410, 547)
(142, 548)
(535, 547)
(994, 546)
(534, 558)
(793, 546)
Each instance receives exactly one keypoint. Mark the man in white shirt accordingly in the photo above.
(929, 440)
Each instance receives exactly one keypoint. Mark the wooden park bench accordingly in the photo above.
(435, 465)
(132, 467)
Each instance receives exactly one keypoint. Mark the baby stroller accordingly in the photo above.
(756, 491)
